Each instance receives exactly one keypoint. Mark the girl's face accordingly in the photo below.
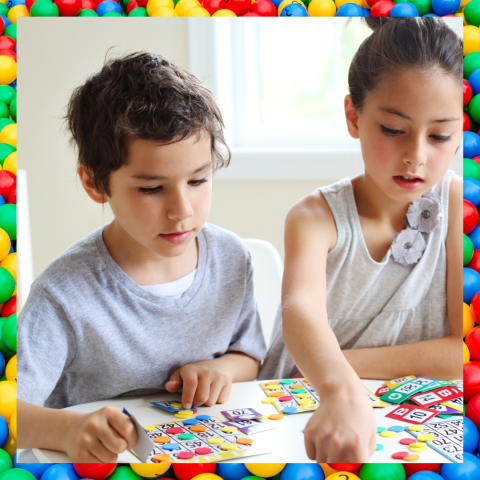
(409, 129)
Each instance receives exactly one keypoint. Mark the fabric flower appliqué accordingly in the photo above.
(424, 215)
(408, 246)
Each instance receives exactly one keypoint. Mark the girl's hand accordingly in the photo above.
(200, 384)
(342, 429)
(100, 436)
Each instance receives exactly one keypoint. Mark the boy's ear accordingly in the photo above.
(351, 116)
(89, 187)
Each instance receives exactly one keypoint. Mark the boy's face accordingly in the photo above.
(161, 197)
(409, 129)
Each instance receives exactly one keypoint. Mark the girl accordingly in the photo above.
(372, 281)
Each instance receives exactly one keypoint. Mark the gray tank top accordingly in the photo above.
(375, 304)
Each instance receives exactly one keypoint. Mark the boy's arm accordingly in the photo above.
(343, 427)
(440, 358)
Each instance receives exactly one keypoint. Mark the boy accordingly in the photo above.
(156, 300)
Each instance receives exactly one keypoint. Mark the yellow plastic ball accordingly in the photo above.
(8, 70)
(9, 133)
(11, 369)
(4, 1)
(150, 470)
(471, 40)
(327, 469)
(343, 476)
(12, 426)
(10, 163)
(183, 5)
(468, 321)
(16, 12)
(466, 354)
(463, 3)
(164, 12)
(365, 4)
(288, 2)
(207, 476)
(223, 12)
(322, 8)
(339, 3)
(10, 263)
(10, 446)
(197, 12)
(265, 469)
(152, 5)
(8, 399)
(5, 244)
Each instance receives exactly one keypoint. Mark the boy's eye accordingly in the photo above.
(197, 182)
(150, 190)
(390, 131)
(441, 138)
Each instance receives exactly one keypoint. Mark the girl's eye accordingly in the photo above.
(390, 131)
(441, 138)
(198, 182)
(150, 191)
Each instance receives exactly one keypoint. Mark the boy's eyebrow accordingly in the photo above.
(403, 115)
(146, 176)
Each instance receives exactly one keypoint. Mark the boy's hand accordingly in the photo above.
(342, 429)
(200, 384)
(100, 436)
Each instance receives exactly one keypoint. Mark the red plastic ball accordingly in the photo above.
(467, 93)
(470, 217)
(251, 14)
(474, 263)
(265, 8)
(131, 5)
(473, 343)
(143, 3)
(382, 8)
(475, 308)
(8, 181)
(2, 26)
(213, 6)
(473, 410)
(411, 468)
(9, 307)
(96, 471)
(471, 380)
(238, 7)
(9, 53)
(345, 467)
(12, 198)
(29, 3)
(186, 471)
(68, 8)
(466, 123)
(89, 5)
(7, 43)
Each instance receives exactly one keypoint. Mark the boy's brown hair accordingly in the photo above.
(140, 96)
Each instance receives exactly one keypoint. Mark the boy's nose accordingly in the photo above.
(179, 206)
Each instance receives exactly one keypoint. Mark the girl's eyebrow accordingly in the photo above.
(403, 115)
(146, 176)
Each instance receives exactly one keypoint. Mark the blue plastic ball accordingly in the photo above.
(471, 144)
(294, 10)
(474, 236)
(14, 85)
(471, 284)
(2, 365)
(60, 471)
(36, 469)
(17, 2)
(431, 15)
(6, 21)
(232, 471)
(350, 10)
(474, 81)
(426, 475)
(470, 436)
(366, 12)
(471, 190)
(404, 9)
(302, 471)
(3, 430)
(276, 3)
(108, 6)
(445, 7)
(468, 470)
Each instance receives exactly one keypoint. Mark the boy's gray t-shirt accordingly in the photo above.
(88, 332)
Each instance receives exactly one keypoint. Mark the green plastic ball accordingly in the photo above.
(423, 6)
(467, 249)
(3, 378)
(86, 12)
(474, 108)
(13, 106)
(8, 220)
(124, 473)
(6, 352)
(4, 113)
(113, 14)
(44, 8)
(11, 31)
(5, 150)
(3, 9)
(252, 477)
(168, 474)
(4, 122)
(9, 332)
(470, 63)
(16, 474)
(471, 169)
(7, 94)
(139, 12)
(381, 471)
(472, 12)
(5, 461)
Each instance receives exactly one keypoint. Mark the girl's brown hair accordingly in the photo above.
(140, 96)
(399, 44)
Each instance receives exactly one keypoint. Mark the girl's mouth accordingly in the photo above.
(407, 182)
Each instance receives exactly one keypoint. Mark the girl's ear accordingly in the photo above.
(89, 187)
(351, 116)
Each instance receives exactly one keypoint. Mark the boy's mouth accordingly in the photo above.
(176, 237)
(408, 182)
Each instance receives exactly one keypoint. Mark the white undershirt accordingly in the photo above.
(172, 289)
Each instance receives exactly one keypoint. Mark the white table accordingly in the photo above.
(287, 439)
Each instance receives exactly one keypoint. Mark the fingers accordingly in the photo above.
(101, 452)
(190, 382)
(174, 383)
(124, 433)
